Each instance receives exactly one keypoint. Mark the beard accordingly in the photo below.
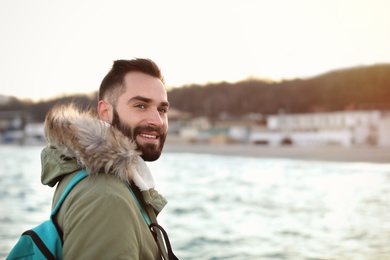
(149, 152)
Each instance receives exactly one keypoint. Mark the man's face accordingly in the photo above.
(141, 113)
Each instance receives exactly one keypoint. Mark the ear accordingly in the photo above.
(105, 111)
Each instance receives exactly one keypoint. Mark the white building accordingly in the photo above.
(344, 128)
(34, 133)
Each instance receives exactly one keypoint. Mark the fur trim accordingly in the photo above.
(96, 144)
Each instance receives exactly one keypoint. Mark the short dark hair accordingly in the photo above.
(112, 84)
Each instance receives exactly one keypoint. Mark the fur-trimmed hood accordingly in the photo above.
(78, 139)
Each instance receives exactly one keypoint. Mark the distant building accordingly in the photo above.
(12, 124)
(16, 128)
(384, 130)
(177, 119)
(34, 134)
(344, 128)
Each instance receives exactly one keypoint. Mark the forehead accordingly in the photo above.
(140, 84)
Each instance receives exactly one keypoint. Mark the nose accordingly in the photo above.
(155, 118)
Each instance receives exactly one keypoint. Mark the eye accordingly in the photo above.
(163, 110)
(140, 106)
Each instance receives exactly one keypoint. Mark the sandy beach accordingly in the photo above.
(331, 153)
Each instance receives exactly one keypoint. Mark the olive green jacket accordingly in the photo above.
(100, 218)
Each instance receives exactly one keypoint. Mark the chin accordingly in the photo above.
(150, 152)
(149, 158)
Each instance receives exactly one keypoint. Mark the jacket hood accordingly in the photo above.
(78, 139)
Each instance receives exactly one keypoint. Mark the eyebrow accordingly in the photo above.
(147, 100)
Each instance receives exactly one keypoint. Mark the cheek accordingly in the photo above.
(165, 123)
(129, 119)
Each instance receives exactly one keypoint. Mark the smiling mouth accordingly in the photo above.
(149, 136)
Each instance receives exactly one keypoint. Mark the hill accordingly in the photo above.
(359, 88)
(355, 88)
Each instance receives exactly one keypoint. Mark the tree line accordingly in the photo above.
(359, 88)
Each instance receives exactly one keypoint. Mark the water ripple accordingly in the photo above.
(236, 208)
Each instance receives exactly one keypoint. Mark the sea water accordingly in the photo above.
(226, 207)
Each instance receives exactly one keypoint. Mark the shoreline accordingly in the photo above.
(363, 154)
(370, 154)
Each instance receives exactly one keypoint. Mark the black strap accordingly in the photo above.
(152, 216)
(171, 255)
(37, 240)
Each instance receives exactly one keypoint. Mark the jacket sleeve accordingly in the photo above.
(107, 226)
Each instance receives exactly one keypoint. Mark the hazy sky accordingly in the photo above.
(50, 48)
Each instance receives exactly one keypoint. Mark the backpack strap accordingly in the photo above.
(139, 206)
(158, 232)
(78, 177)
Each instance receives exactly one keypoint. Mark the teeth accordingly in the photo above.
(149, 136)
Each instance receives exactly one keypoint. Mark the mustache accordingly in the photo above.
(148, 128)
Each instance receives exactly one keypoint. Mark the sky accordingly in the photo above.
(54, 48)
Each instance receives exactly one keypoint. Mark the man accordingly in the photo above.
(101, 218)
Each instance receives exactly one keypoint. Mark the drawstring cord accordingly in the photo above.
(171, 255)
(152, 225)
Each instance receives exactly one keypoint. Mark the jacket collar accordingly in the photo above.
(95, 145)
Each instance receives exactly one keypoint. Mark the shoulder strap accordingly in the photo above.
(78, 177)
(139, 206)
(158, 232)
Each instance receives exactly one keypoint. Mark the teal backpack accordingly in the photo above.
(43, 241)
